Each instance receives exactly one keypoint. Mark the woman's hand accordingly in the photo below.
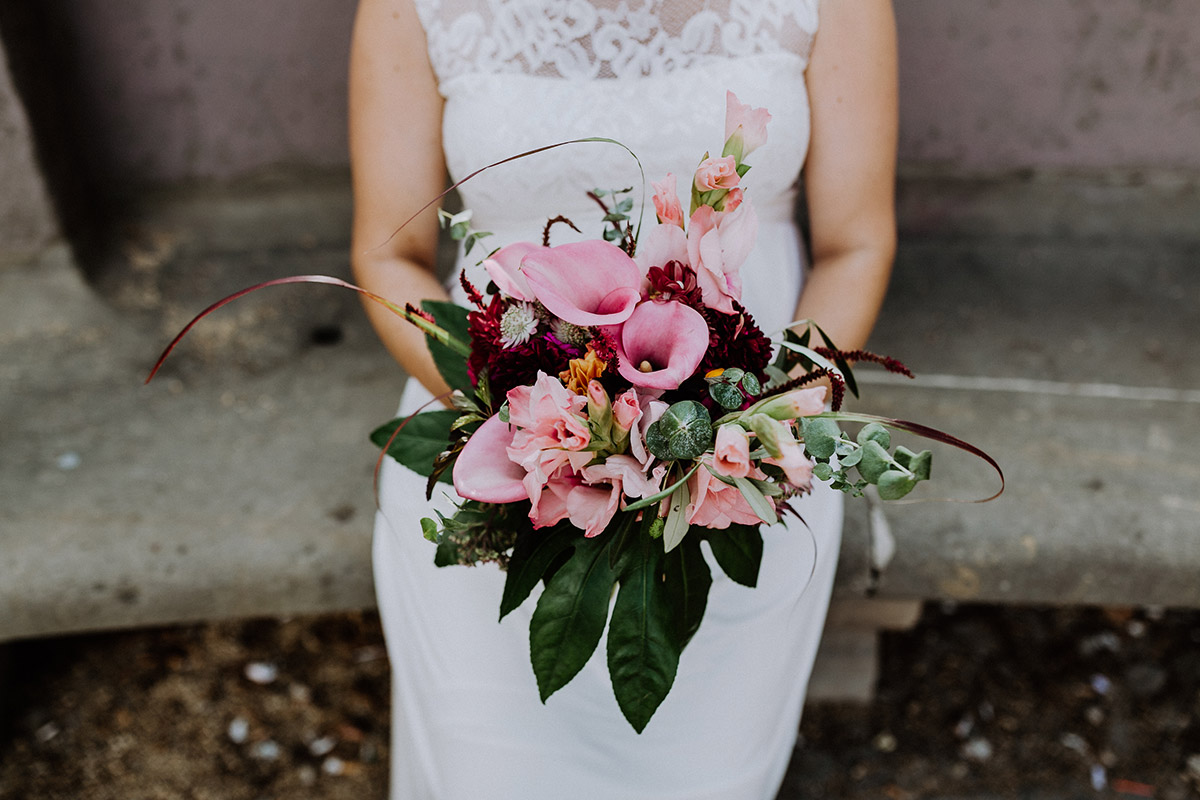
(851, 167)
(397, 166)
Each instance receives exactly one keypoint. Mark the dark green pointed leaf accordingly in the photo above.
(643, 648)
(420, 441)
(570, 615)
(687, 581)
(738, 550)
(533, 555)
(451, 365)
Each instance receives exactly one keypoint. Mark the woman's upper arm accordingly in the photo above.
(395, 135)
(850, 172)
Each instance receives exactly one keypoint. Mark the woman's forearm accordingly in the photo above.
(844, 292)
(403, 281)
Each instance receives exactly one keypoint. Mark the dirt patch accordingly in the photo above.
(980, 702)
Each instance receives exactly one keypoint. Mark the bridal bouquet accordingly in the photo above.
(614, 405)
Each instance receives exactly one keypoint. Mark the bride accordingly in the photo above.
(443, 86)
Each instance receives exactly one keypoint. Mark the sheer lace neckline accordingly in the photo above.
(608, 39)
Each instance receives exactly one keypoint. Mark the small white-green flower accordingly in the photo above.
(518, 324)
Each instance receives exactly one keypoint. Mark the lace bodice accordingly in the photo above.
(607, 38)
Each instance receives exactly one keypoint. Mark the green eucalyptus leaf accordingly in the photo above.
(726, 395)
(657, 443)
(875, 461)
(822, 471)
(751, 384)
(687, 427)
(850, 459)
(874, 432)
(917, 463)
(820, 436)
(420, 441)
(894, 484)
(732, 375)
(569, 619)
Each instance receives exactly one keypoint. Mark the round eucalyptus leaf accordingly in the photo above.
(726, 395)
(657, 444)
(894, 484)
(822, 471)
(874, 432)
(851, 459)
(820, 436)
(751, 384)
(687, 427)
(875, 461)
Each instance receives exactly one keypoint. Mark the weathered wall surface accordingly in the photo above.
(27, 223)
(178, 89)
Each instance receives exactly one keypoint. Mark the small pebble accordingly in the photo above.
(323, 746)
(964, 727)
(261, 672)
(369, 653)
(238, 730)
(977, 749)
(68, 461)
(333, 766)
(300, 693)
(1099, 777)
(1073, 741)
(885, 743)
(1136, 628)
(46, 732)
(1155, 613)
(1106, 640)
(1094, 715)
(1146, 679)
(987, 712)
(1101, 685)
(307, 775)
(959, 770)
(266, 750)
(1193, 766)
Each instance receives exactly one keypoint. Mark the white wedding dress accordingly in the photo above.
(517, 74)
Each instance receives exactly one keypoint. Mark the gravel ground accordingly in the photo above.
(974, 702)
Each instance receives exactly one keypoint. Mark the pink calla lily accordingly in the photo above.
(504, 268)
(584, 283)
(484, 471)
(669, 338)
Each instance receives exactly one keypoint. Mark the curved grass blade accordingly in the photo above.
(526, 154)
(429, 328)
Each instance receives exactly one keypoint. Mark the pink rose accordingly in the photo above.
(666, 202)
(584, 283)
(716, 173)
(731, 452)
(716, 504)
(718, 243)
(661, 344)
(745, 127)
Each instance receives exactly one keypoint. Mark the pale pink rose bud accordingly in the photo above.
(771, 432)
(731, 452)
(626, 410)
(666, 202)
(798, 403)
(794, 463)
(745, 127)
(732, 200)
(717, 173)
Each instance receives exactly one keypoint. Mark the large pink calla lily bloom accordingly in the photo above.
(661, 344)
(484, 471)
(504, 268)
(584, 283)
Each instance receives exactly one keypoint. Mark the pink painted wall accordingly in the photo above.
(178, 89)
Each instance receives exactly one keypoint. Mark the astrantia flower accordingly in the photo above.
(570, 334)
(518, 324)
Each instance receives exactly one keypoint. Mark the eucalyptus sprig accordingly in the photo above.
(895, 474)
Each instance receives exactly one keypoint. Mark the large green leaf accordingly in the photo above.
(533, 554)
(450, 364)
(687, 580)
(738, 550)
(643, 648)
(419, 442)
(570, 615)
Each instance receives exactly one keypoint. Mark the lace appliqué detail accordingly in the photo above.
(586, 39)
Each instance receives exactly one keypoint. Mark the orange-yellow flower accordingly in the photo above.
(581, 371)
